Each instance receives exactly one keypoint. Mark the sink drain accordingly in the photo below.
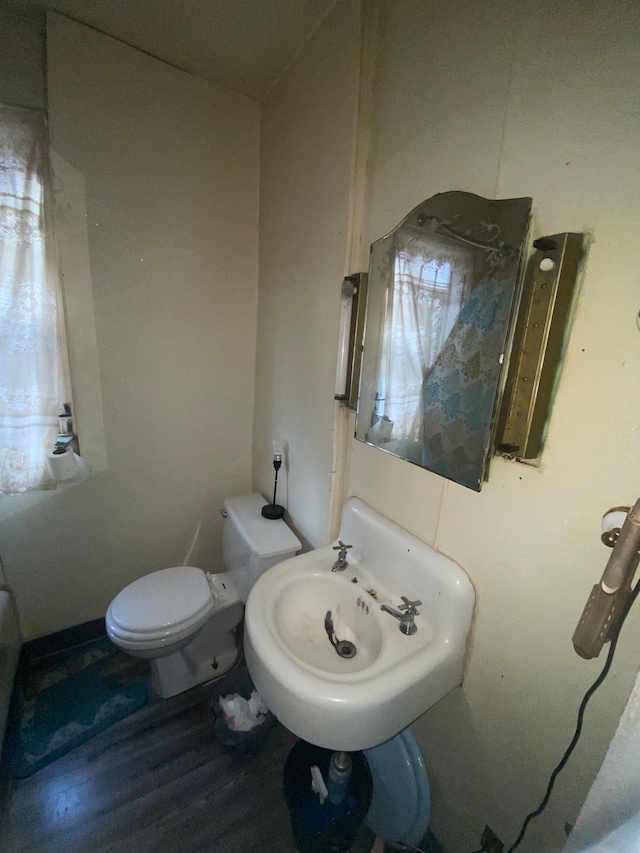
(345, 648)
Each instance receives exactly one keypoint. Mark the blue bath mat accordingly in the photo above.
(65, 704)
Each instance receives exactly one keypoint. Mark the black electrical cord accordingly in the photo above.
(576, 736)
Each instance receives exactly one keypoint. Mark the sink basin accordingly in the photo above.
(302, 595)
(357, 702)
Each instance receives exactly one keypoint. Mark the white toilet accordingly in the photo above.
(184, 619)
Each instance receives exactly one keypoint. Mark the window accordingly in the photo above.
(34, 379)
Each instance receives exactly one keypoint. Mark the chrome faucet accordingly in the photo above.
(405, 618)
(341, 561)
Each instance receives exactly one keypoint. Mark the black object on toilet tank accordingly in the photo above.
(324, 828)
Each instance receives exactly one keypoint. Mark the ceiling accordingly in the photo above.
(244, 45)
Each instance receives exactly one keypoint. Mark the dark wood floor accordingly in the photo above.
(157, 782)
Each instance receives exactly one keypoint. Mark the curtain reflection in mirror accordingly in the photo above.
(428, 281)
(460, 390)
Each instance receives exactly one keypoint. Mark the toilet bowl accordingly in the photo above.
(184, 620)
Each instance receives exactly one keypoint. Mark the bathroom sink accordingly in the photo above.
(300, 615)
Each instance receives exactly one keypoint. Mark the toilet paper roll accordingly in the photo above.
(82, 474)
(81, 471)
(62, 466)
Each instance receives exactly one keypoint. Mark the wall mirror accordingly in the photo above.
(442, 290)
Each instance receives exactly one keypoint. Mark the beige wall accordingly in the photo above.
(157, 177)
(307, 150)
(22, 58)
(534, 99)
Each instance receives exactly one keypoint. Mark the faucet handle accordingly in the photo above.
(404, 614)
(341, 560)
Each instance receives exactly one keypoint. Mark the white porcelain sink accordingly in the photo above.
(357, 702)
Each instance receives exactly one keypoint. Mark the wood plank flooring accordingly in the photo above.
(157, 782)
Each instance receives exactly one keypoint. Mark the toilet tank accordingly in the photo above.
(251, 544)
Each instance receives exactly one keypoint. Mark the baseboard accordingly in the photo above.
(51, 644)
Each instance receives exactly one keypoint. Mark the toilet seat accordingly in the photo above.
(161, 607)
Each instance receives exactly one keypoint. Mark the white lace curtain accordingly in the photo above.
(424, 299)
(33, 368)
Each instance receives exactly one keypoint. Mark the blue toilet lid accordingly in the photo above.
(401, 802)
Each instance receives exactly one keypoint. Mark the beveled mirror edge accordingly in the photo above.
(450, 194)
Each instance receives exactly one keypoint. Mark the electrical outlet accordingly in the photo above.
(490, 841)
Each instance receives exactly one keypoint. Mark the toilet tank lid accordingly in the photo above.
(265, 537)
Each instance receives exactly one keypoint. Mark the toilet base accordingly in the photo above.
(173, 675)
(209, 655)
